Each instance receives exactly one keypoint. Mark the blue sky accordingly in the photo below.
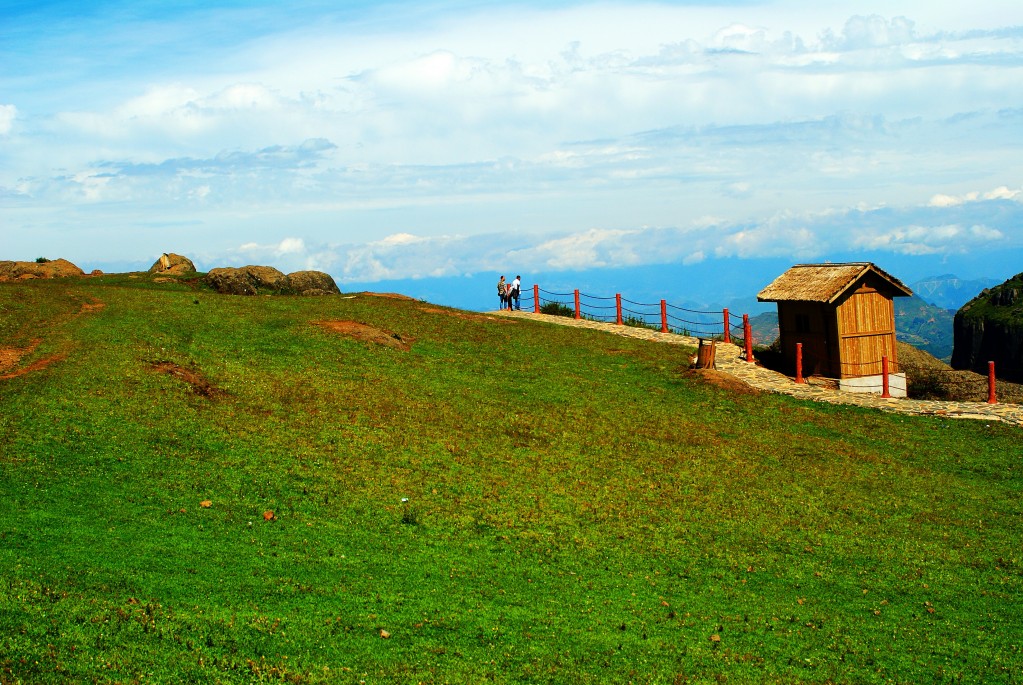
(418, 140)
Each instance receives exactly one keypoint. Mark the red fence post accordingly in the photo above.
(991, 383)
(884, 382)
(664, 316)
(799, 363)
(618, 307)
(578, 314)
(728, 334)
(747, 333)
(536, 298)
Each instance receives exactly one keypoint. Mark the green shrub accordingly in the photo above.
(637, 322)
(557, 309)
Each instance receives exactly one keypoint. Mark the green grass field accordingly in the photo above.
(506, 501)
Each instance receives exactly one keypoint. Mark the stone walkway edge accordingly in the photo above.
(729, 360)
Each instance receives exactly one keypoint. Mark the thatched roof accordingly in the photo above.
(824, 282)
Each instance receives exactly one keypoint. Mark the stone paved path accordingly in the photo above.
(729, 359)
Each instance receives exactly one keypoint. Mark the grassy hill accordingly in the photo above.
(204, 488)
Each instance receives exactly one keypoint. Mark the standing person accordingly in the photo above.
(516, 284)
(502, 292)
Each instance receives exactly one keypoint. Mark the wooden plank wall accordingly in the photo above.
(866, 326)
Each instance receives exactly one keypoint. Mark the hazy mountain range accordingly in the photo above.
(951, 292)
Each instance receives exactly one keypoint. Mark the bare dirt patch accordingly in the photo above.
(199, 384)
(367, 333)
(722, 380)
(10, 356)
(90, 307)
(467, 317)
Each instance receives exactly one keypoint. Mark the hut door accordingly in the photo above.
(867, 321)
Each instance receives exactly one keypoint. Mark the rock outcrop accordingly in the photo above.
(312, 283)
(266, 280)
(990, 328)
(246, 280)
(172, 264)
(56, 268)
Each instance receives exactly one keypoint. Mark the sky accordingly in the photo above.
(426, 140)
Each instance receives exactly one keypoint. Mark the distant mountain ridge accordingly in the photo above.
(949, 291)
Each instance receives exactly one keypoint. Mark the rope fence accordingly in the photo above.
(657, 316)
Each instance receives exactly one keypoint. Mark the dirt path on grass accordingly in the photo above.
(195, 380)
(730, 360)
(11, 356)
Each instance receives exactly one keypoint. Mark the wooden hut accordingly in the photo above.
(844, 315)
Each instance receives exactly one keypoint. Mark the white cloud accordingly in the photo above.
(926, 240)
(291, 246)
(403, 255)
(159, 101)
(285, 248)
(429, 74)
(399, 239)
(1002, 193)
(874, 31)
(999, 193)
(8, 113)
(589, 249)
(942, 200)
(241, 96)
(741, 37)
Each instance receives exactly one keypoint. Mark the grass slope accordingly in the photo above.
(579, 509)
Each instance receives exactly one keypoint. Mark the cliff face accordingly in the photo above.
(990, 328)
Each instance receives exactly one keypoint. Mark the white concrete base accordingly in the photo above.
(875, 384)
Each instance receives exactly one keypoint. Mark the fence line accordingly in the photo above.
(660, 316)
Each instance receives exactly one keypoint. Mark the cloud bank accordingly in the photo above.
(410, 140)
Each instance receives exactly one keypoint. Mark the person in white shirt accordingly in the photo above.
(515, 285)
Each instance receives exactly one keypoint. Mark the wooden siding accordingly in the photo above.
(866, 332)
